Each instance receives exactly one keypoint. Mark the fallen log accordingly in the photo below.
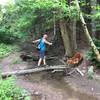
(28, 71)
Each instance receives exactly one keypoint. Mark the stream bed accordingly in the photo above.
(51, 86)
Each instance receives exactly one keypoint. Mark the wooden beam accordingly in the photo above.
(28, 71)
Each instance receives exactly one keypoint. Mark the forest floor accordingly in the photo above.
(48, 86)
(52, 86)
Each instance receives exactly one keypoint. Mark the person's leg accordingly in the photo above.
(44, 60)
(40, 61)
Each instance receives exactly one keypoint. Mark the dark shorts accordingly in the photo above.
(42, 53)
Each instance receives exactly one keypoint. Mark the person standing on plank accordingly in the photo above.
(42, 49)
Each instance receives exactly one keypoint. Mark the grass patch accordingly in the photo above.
(6, 49)
(10, 91)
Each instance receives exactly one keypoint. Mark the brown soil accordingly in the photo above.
(52, 86)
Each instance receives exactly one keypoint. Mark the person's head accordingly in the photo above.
(45, 36)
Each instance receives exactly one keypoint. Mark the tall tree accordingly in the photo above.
(67, 38)
(68, 30)
(87, 33)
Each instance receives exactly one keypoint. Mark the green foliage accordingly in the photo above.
(97, 13)
(18, 20)
(6, 49)
(10, 91)
(96, 16)
(91, 55)
(87, 7)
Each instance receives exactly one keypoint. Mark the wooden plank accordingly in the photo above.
(80, 72)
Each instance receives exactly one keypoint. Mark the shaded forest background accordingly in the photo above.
(25, 20)
(22, 21)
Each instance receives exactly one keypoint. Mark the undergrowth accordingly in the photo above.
(10, 91)
(7, 49)
(91, 55)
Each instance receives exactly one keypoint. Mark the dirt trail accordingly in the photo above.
(54, 91)
(43, 83)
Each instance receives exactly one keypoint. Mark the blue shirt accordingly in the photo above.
(42, 45)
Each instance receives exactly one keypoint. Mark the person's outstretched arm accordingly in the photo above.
(36, 41)
(49, 43)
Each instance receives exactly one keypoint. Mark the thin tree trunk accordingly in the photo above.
(87, 33)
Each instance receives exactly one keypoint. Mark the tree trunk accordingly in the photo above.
(67, 38)
(87, 33)
(73, 27)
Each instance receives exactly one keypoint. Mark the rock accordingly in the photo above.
(36, 93)
(92, 89)
(91, 72)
